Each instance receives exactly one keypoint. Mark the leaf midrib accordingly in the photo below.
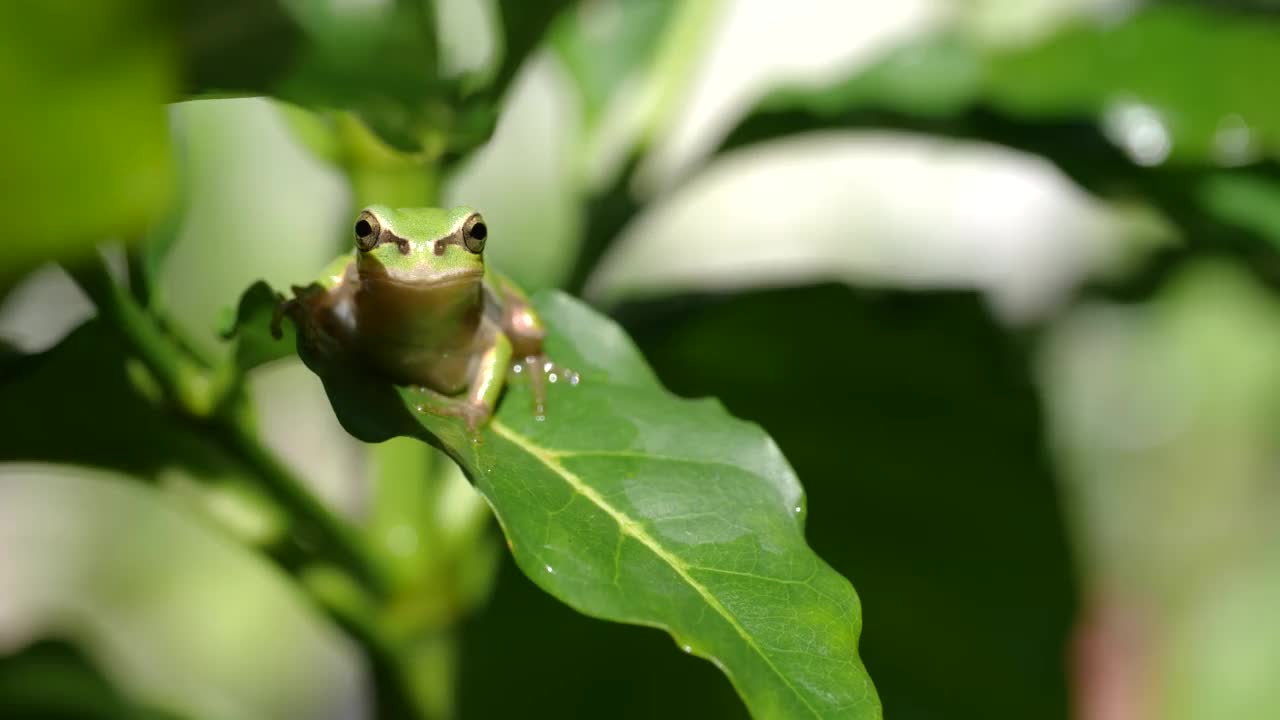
(633, 528)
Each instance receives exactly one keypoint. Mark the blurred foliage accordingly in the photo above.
(52, 679)
(938, 445)
(932, 439)
(86, 156)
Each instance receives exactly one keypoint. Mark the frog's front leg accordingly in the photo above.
(309, 310)
(488, 376)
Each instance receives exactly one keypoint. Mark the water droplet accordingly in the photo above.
(552, 378)
(1139, 130)
(517, 368)
(420, 408)
(540, 418)
(573, 378)
(687, 648)
(799, 509)
(548, 366)
(550, 569)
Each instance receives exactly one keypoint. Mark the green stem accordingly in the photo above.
(332, 536)
(220, 408)
(404, 676)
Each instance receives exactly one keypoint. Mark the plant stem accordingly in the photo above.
(221, 409)
(330, 534)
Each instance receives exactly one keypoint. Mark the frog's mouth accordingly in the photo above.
(434, 281)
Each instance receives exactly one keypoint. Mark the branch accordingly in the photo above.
(219, 407)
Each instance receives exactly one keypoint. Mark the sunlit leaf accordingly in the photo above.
(165, 603)
(632, 505)
(85, 141)
(1245, 200)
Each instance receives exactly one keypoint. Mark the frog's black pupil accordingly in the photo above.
(363, 228)
(478, 231)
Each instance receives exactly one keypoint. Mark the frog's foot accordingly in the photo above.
(446, 406)
(542, 370)
(304, 310)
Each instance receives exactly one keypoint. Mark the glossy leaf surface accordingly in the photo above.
(633, 505)
(1170, 83)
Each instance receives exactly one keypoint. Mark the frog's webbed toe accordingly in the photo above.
(475, 415)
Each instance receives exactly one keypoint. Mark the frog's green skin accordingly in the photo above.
(416, 302)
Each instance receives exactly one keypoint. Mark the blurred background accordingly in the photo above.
(999, 276)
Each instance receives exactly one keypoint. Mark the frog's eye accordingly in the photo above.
(474, 233)
(368, 231)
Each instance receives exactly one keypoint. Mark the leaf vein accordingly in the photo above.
(635, 529)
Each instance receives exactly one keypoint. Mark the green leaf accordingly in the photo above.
(85, 146)
(377, 60)
(167, 225)
(1245, 200)
(83, 401)
(53, 679)
(633, 505)
(164, 602)
(523, 25)
(938, 404)
(1196, 78)
(605, 43)
(250, 326)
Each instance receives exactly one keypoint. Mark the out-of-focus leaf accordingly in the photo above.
(166, 227)
(632, 505)
(85, 141)
(51, 679)
(1245, 200)
(524, 24)
(1164, 415)
(846, 206)
(1129, 131)
(164, 603)
(1193, 77)
(77, 403)
(604, 43)
(941, 501)
(1170, 83)
(241, 45)
(377, 60)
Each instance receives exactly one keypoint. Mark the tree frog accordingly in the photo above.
(415, 302)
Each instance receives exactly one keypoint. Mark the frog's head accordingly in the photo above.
(421, 247)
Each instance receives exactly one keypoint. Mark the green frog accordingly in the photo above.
(416, 303)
